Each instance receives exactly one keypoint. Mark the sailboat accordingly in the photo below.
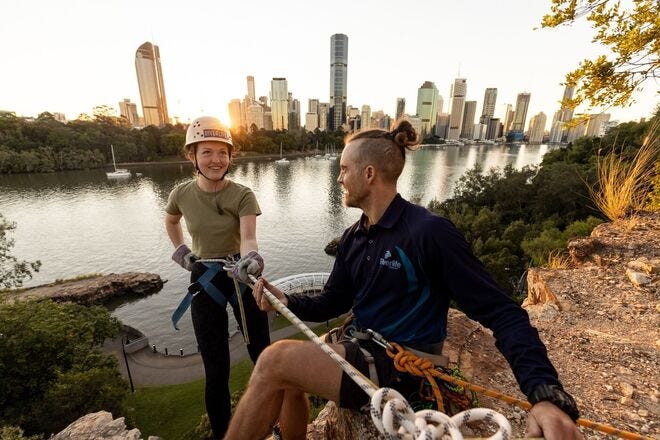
(118, 173)
(282, 160)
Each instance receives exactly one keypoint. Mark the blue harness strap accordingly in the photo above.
(203, 283)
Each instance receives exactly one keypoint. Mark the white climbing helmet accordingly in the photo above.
(208, 128)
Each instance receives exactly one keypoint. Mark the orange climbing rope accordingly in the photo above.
(406, 361)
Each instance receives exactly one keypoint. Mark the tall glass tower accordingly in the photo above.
(150, 83)
(338, 80)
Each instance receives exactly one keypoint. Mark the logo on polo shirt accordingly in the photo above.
(391, 264)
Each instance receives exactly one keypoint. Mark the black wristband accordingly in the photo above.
(556, 395)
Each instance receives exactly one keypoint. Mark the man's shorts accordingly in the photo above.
(351, 396)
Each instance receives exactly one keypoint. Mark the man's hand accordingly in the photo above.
(548, 421)
(261, 299)
(184, 257)
(250, 264)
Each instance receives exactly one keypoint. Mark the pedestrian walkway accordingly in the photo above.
(149, 369)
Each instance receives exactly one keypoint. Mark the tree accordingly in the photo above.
(631, 35)
(12, 271)
(52, 373)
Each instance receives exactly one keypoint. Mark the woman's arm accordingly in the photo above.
(248, 234)
(174, 230)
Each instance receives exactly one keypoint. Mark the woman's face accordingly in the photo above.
(212, 158)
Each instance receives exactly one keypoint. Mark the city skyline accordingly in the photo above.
(205, 68)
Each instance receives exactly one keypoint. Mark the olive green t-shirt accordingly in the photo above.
(213, 218)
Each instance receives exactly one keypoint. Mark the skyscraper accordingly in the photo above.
(427, 107)
(490, 98)
(365, 117)
(250, 88)
(520, 115)
(457, 97)
(279, 103)
(508, 118)
(566, 112)
(400, 108)
(324, 111)
(338, 80)
(236, 113)
(469, 111)
(150, 83)
(537, 128)
(128, 110)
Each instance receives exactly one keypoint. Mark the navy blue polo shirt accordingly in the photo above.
(399, 276)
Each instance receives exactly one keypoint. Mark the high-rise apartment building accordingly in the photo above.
(441, 103)
(236, 113)
(493, 131)
(400, 108)
(324, 112)
(311, 121)
(338, 80)
(150, 83)
(520, 115)
(250, 89)
(442, 125)
(457, 100)
(313, 106)
(294, 112)
(566, 111)
(469, 111)
(279, 103)
(596, 124)
(427, 107)
(537, 128)
(508, 118)
(365, 117)
(128, 110)
(254, 116)
(488, 110)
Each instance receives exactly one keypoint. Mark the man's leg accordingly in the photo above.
(294, 415)
(284, 367)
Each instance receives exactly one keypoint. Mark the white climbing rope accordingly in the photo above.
(390, 412)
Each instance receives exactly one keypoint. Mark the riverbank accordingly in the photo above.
(237, 159)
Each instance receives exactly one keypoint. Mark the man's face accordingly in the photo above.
(212, 159)
(352, 177)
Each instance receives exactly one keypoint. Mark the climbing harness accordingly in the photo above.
(395, 418)
(204, 283)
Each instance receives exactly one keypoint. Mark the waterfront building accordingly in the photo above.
(488, 109)
(469, 111)
(519, 118)
(596, 124)
(566, 112)
(508, 118)
(427, 107)
(324, 112)
(236, 113)
(352, 112)
(279, 103)
(254, 117)
(365, 117)
(400, 108)
(577, 130)
(416, 123)
(441, 103)
(313, 106)
(457, 100)
(150, 83)
(494, 130)
(311, 121)
(442, 125)
(128, 110)
(293, 107)
(268, 119)
(479, 131)
(338, 80)
(250, 89)
(263, 100)
(537, 128)
(555, 132)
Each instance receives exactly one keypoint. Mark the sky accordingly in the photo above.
(71, 55)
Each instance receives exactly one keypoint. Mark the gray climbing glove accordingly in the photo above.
(250, 264)
(184, 257)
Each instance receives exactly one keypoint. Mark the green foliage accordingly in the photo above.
(52, 373)
(15, 433)
(631, 36)
(47, 145)
(12, 271)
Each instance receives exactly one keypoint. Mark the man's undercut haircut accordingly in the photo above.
(385, 150)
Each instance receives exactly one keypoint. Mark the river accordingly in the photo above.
(80, 222)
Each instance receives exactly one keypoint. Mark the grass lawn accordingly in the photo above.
(172, 412)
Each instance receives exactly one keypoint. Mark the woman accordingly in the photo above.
(221, 217)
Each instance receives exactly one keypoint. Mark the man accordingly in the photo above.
(397, 268)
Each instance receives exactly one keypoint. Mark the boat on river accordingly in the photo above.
(118, 173)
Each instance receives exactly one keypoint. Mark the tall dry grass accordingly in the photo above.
(623, 186)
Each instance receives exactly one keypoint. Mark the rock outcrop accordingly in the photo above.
(98, 426)
(95, 290)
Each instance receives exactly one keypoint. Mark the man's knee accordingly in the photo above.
(274, 361)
